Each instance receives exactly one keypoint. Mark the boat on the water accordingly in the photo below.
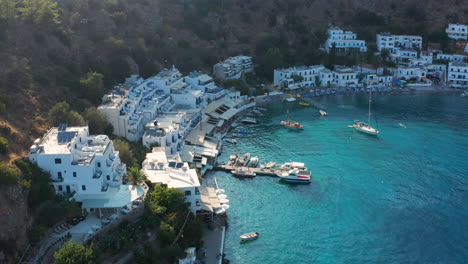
(291, 124)
(249, 236)
(304, 103)
(244, 159)
(464, 94)
(253, 162)
(322, 113)
(231, 140)
(243, 173)
(295, 175)
(233, 159)
(270, 165)
(290, 99)
(249, 120)
(292, 165)
(366, 127)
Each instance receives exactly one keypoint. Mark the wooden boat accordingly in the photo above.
(249, 236)
(291, 124)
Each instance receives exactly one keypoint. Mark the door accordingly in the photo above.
(68, 189)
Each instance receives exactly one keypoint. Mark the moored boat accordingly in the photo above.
(253, 162)
(270, 165)
(295, 175)
(293, 165)
(249, 236)
(249, 120)
(231, 140)
(243, 173)
(244, 159)
(304, 103)
(233, 159)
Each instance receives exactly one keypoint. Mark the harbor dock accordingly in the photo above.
(258, 171)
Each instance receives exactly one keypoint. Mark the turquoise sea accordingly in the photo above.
(397, 198)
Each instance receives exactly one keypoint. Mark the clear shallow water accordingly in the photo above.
(398, 198)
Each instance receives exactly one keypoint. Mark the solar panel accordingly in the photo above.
(62, 127)
(65, 137)
(172, 164)
(179, 165)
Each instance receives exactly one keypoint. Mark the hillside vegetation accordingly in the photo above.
(73, 50)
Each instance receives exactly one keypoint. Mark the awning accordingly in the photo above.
(115, 197)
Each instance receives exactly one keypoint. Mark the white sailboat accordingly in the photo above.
(366, 127)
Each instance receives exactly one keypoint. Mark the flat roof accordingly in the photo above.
(52, 145)
(115, 197)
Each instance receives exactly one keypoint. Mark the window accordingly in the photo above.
(60, 188)
(99, 164)
(74, 174)
(188, 193)
(108, 177)
(58, 161)
(83, 187)
(59, 174)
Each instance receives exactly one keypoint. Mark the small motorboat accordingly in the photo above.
(296, 176)
(322, 113)
(231, 140)
(253, 162)
(270, 165)
(464, 94)
(243, 173)
(304, 103)
(249, 236)
(249, 120)
(233, 159)
(244, 159)
(293, 165)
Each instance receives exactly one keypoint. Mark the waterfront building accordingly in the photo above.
(344, 76)
(84, 165)
(451, 57)
(171, 171)
(233, 67)
(457, 31)
(410, 73)
(395, 42)
(326, 78)
(457, 75)
(377, 80)
(344, 40)
(436, 70)
(298, 77)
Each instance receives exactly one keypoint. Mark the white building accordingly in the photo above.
(85, 165)
(130, 107)
(377, 80)
(396, 42)
(171, 171)
(457, 31)
(410, 73)
(436, 70)
(403, 55)
(167, 130)
(427, 56)
(310, 76)
(326, 78)
(233, 67)
(451, 57)
(344, 40)
(344, 76)
(457, 75)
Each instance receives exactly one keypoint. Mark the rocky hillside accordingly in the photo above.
(46, 48)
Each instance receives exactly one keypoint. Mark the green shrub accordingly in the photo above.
(72, 252)
(4, 146)
(8, 176)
